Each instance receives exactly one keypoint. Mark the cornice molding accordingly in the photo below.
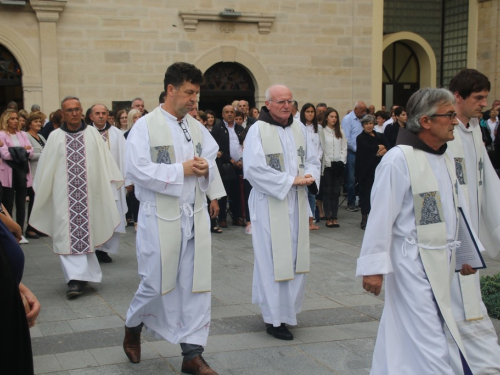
(48, 10)
(264, 20)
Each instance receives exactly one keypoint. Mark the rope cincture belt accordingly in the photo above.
(452, 245)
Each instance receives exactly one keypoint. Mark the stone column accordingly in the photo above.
(47, 13)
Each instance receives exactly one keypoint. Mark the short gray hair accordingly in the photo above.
(268, 91)
(425, 102)
(66, 98)
(35, 108)
(367, 119)
(133, 100)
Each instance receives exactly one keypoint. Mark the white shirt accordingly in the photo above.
(15, 140)
(334, 149)
(234, 143)
(315, 139)
(492, 125)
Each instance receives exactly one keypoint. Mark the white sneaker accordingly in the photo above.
(248, 229)
(23, 240)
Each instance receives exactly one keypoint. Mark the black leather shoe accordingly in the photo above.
(75, 288)
(34, 235)
(103, 256)
(281, 332)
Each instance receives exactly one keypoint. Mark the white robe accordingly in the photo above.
(278, 301)
(116, 145)
(411, 338)
(479, 336)
(51, 207)
(178, 316)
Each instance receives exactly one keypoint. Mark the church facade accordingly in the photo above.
(333, 51)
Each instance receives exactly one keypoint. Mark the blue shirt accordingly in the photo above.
(352, 128)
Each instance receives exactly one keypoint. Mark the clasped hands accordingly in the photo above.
(196, 167)
(304, 181)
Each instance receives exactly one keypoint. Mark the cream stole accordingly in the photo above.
(281, 238)
(470, 296)
(169, 214)
(431, 231)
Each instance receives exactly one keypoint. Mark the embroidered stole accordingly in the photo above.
(431, 231)
(470, 295)
(169, 213)
(281, 238)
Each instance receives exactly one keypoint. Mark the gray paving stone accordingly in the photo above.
(374, 311)
(46, 364)
(76, 360)
(54, 328)
(115, 354)
(91, 324)
(334, 356)
(35, 331)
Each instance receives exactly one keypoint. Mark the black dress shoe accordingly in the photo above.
(103, 256)
(75, 288)
(28, 235)
(281, 332)
(41, 234)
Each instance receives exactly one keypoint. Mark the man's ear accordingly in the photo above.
(425, 122)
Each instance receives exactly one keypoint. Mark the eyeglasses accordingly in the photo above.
(282, 102)
(73, 110)
(451, 115)
(186, 133)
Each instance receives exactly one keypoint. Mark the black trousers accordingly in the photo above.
(232, 188)
(31, 196)
(17, 195)
(133, 206)
(365, 190)
(332, 180)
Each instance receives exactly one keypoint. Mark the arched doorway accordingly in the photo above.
(11, 87)
(224, 83)
(401, 74)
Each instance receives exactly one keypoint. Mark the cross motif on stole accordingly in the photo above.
(480, 166)
(301, 153)
(198, 149)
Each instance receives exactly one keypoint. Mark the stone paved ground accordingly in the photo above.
(335, 334)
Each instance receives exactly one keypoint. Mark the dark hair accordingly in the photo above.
(296, 104)
(239, 114)
(321, 105)
(336, 128)
(202, 115)
(57, 118)
(399, 110)
(381, 114)
(468, 81)
(111, 113)
(161, 98)
(305, 107)
(179, 72)
(88, 121)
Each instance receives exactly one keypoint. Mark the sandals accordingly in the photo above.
(216, 230)
(332, 224)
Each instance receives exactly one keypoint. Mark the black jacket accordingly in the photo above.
(221, 136)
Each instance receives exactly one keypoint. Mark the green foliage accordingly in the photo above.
(490, 289)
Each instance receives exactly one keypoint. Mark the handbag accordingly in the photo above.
(229, 172)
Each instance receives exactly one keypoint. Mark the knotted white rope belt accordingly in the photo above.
(451, 245)
(185, 209)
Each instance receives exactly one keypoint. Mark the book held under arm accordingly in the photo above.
(469, 251)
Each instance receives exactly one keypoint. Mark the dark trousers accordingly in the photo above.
(133, 207)
(365, 190)
(17, 195)
(331, 191)
(31, 196)
(232, 188)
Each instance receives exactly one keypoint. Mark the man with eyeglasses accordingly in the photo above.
(170, 159)
(75, 185)
(280, 163)
(481, 185)
(410, 238)
(115, 143)
(243, 108)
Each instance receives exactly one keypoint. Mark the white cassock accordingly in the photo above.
(411, 337)
(74, 185)
(279, 302)
(178, 316)
(479, 336)
(115, 142)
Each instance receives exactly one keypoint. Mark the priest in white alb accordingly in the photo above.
(280, 163)
(170, 159)
(115, 142)
(75, 183)
(481, 185)
(411, 238)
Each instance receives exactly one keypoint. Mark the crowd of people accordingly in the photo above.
(175, 173)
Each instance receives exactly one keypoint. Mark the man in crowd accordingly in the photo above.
(320, 109)
(227, 137)
(243, 108)
(495, 105)
(481, 185)
(410, 237)
(138, 103)
(351, 124)
(171, 159)
(295, 110)
(75, 197)
(115, 143)
(280, 162)
(371, 110)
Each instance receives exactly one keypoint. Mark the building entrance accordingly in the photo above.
(11, 88)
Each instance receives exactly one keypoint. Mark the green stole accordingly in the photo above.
(281, 238)
(470, 296)
(169, 213)
(431, 231)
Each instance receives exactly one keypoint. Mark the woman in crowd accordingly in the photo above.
(121, 120)
(308, 118)
(380, 117)
(132, 118)
(253, 112)
(202, 117)
(392, 130)
(210, 119)
(23, 117)
(132, 202)
(370, 149)
(15, 174)
(334, 144)
(33, 126)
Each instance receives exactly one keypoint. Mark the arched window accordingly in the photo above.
(11, 88)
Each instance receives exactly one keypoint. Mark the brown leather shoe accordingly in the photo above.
(238, 222)
(197, 366)
(223, 223)
(132, 345)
